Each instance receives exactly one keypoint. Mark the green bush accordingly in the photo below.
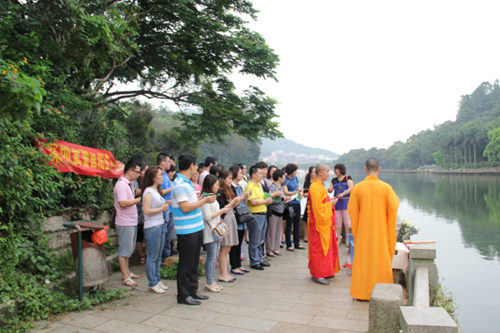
(170, 272)
(31, 273)
(443, 298)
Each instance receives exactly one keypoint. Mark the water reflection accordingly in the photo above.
(472, 201)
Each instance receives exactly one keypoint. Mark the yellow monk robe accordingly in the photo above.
(323, 251)
(373, 208)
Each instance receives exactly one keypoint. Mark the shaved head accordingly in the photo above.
(321, 167)
(372, 165)
(322, 172)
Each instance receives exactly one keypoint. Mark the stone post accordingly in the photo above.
(385, 301)
(422, 255)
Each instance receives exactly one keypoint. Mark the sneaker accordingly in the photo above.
(157, 289)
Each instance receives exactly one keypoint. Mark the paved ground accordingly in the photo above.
(282, 298)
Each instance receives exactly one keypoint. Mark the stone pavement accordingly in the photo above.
(282, 298)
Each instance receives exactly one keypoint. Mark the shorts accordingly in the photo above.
(342, 216)
(126, 240)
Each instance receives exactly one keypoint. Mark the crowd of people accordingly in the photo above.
(217, 208)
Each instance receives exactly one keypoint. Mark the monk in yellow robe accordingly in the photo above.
(323, 250)
(373, 209)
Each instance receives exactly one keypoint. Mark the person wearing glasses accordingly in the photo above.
(126, 219)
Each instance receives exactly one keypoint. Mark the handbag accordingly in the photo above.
(243, 214)
(278, 208)
(219, 231)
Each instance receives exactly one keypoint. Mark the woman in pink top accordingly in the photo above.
(196, 186)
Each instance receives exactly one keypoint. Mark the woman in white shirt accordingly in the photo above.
(211, 217)
(153, 206)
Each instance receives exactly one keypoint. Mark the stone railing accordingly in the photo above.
(386, 311)
(58, 235)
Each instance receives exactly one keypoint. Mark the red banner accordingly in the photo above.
(68, 157)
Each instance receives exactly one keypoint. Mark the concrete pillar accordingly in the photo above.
(422, 255)
(384, 311)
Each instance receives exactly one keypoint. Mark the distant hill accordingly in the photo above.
(285, 151)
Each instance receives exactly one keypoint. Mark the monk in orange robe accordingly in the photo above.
(323, 250)
(373, 208)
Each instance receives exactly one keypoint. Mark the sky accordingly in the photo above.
(361, 74)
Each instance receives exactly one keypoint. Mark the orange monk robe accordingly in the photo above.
(373, 208)
(323, 251)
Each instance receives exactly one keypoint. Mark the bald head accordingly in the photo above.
(321, 167)
(372, 166)
(322, 172)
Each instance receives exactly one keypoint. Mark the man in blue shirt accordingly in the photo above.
(164, 162)
(188, 223)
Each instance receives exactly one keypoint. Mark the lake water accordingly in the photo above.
(462, 214)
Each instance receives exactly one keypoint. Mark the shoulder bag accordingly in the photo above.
(219, 231)
(243, 214)
(278, 208)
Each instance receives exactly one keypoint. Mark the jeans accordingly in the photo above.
(295, 223)
(212, 249)
(189, 247)
(169, 234)
(155, 237)
(256, 235)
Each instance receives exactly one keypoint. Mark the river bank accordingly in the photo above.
(431, 170)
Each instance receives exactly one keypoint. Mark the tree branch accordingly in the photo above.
(104, 79)
(146, 93)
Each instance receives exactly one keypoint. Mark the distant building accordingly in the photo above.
(283, 157)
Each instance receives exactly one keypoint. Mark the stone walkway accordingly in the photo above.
(282, 298)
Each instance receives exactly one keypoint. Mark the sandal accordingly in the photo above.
(227, 281)
(212, 289)
(133, 276)
(290, 249)
(244, 270)
(129, 282)
(237, 272)
(270, 254)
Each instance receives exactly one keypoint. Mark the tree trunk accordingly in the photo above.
(475, 153)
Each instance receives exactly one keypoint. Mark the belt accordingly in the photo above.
(259, 213)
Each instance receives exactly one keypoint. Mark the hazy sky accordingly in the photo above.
(362, 74)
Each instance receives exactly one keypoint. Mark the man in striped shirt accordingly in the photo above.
(188, 224)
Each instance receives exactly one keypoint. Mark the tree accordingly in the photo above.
(492, 150)
(181, 51)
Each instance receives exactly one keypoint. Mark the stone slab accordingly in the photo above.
(125, 327)
(54, 223)
(422, 251)
(340, 323)
(426, 320)
(282, 298)
(421, 291)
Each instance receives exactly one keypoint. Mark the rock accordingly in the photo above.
(54, 224)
